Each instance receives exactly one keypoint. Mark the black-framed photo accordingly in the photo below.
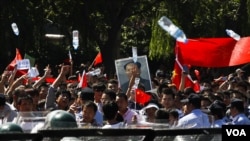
(123, 70)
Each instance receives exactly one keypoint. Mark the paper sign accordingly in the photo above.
(33, 72)
(137, 80)
(95, 72)
(23, 64)
(134, 52)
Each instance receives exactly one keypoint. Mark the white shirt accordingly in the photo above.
(127, 117)
(8, 113)
(117, 125)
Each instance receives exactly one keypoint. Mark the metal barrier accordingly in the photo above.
(132, 134)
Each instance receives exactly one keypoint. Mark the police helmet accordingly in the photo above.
(10, 127)
(60, 119)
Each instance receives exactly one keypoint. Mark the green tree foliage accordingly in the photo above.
(112, 26)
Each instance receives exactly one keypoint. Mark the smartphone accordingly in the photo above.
(185, 68)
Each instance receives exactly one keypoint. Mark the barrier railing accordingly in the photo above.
(143, 134)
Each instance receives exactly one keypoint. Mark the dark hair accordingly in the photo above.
(86, 94)
(188, 90)
(32, 92)
(90, 104)
(242, 84)
(168, 91)
(174, 113)
(113, 81)
(58, 93)
(122, 95)
(99, 86)
(138, 64)
(162, 114)
(161, 87)
(110, 110)
(27, 97)
(2, 99)
(111, 94)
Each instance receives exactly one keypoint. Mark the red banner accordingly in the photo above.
(214, 52)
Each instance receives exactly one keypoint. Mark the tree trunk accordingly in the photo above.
(110, 51)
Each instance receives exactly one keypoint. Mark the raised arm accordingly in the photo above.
(42, 79)
(16, 83)
(51, 97)
(3, 81)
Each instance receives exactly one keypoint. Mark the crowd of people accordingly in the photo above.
(103, 104)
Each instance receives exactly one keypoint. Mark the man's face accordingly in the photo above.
(167, 101)
(132, 69)
(25, 106)
(105, 98)
(113, 87)
(88, 114)
(122, 103)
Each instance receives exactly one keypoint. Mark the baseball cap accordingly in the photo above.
(217, 105)
(238, 103)
(192, 98)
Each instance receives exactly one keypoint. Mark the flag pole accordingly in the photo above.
(91, 65)
(93, 62)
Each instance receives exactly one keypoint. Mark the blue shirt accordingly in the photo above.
(195, 119)
(240, 119)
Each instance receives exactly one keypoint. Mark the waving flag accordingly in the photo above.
(141, 96)
(11, 66)
(98, 59)
(214, 52)
(82, 80)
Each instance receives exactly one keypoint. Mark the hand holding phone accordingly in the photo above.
(185, 69)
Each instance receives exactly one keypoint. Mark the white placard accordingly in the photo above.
(95, 72)
(33, 72)
(134, 52)
(23, 64)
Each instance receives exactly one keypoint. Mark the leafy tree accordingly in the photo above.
(112, 27)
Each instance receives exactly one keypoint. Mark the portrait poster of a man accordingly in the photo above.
(124, 72)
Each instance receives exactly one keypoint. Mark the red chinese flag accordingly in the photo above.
(79, 78)
(98, 59)
(83, 81)
(13, 63)
(176, 76)
(141, 96)
(49, 80)
(214, 52)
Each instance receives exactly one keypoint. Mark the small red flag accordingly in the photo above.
(141, 96)
(176, 77)
(11, 66)
(98, 59)
(83, 81)
(50, 80)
